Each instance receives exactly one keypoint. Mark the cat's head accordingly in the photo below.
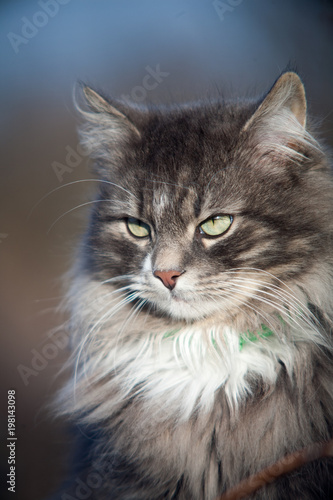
(208, 209)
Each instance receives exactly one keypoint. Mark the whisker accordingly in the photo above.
(93, 332)
(280, 294)
(77, 182)
(134, 313)
(278, 307)
(243, 303)
(281, 298)
(289, 296)
(270, 275)
(72, 210)
(106, 294)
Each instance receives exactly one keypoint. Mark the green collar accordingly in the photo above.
(244, 338)
(249, 336)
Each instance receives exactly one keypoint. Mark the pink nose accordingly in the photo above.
(168, 278)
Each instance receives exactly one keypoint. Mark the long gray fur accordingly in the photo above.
(174, 408)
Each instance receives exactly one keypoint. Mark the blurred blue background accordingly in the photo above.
(193, 47)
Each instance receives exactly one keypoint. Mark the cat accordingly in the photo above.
(201, 302)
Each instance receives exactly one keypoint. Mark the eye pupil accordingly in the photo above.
(138, 228)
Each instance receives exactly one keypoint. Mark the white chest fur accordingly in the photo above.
(182, 371)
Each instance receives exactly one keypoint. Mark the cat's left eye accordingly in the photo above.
(138, 228)
(215, 226)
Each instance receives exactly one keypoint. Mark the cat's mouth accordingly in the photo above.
(182, 302)
(179, 298)
(181, 306)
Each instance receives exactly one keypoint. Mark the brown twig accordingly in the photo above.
(283, 466)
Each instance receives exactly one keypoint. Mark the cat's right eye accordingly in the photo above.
(138, 228)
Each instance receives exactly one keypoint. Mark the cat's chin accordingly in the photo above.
(182, 309)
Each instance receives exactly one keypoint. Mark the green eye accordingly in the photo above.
(138, 228)
(215, 226)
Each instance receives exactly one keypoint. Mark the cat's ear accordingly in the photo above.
(99, 105)
(106, 129)
(287, 95)
(279, 122)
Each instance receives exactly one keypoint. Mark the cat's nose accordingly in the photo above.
(168, 278)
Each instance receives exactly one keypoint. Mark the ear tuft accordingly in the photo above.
(106, 130)
(99, 104)
(297, 99)
(279, 121)
(286, 94)
(95, 101)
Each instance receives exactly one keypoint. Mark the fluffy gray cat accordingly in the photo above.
(201, 301)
